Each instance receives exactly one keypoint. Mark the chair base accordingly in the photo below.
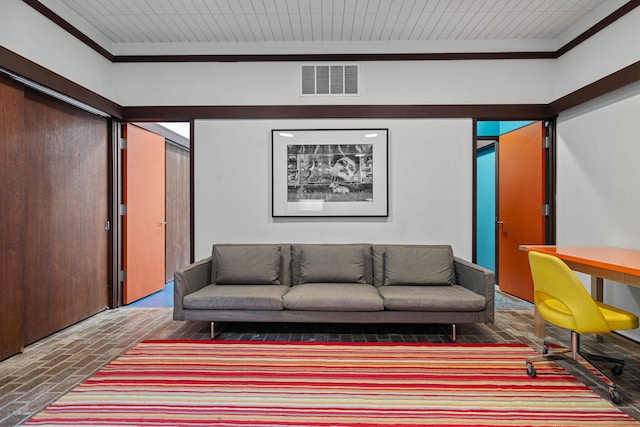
(588, 357)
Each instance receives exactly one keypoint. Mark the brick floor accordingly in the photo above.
(51, 367)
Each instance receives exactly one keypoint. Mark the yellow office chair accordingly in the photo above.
(562, 300)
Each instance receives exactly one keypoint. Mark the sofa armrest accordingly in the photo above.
(478, 279)
(188, 280)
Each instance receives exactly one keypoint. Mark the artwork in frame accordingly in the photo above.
(329, 172)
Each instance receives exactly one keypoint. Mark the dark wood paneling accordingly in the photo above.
(12, 163)
(177, 210)
(66, 197)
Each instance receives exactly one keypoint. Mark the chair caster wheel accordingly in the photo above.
(545, 349)
(617, 370)
(531, 370)
(614, 395)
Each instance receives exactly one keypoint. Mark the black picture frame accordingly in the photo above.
(330, 172)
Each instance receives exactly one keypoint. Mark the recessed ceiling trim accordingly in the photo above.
(338, 57)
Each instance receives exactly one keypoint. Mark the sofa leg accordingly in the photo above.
(453, 332)
(213, 331)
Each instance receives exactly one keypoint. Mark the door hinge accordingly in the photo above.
(546, 142)
(123, 210)
(123, 275)
(123, 143)
(546, 209)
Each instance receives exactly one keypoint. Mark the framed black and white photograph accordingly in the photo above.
(332, 172)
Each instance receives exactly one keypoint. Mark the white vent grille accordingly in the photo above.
(329, 79)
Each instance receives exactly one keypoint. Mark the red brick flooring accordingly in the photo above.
(51, 367)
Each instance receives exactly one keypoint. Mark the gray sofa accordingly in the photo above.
(337, 283)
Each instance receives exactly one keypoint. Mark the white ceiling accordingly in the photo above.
(126, 27)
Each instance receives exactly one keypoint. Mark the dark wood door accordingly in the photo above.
(12, 163)
(521, 195)
(65, 264)
(54, 195)
(177, 210)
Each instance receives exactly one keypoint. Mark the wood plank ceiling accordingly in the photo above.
(130, 22)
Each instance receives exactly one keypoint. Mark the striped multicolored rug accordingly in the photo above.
(198, 383)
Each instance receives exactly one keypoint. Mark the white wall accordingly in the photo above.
(31, 35)
(598, 196)
(598, 191)
(136, 84)
(430, 186)
(611, 49)
(383, 83)
(404, 82)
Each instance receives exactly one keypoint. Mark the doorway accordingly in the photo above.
(143, 213)
(161, 152)
(512, 193)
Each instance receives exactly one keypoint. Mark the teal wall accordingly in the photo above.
(500, 128)
(488, 128)
(486, 208)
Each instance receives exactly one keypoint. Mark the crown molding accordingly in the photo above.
(337, 57)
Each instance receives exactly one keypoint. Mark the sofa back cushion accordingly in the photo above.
(331, 263)
(413, 265)
(259, 264)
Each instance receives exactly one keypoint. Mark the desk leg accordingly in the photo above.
(539, 328)
(597, 292)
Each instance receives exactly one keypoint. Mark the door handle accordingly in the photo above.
(163, 223)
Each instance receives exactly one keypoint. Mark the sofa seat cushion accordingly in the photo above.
(236, 297)
(431, 298)
(333, 297)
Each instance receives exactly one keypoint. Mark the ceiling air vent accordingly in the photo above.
(329, 79)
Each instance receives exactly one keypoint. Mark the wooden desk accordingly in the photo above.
(601, 262)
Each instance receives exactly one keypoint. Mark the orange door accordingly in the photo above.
(521, 196)
(144, 222)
